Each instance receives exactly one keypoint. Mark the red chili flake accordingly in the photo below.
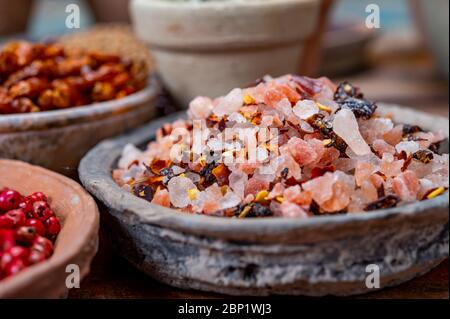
(319, 171)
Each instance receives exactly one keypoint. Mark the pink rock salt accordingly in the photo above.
(406, 186)
(346, 126)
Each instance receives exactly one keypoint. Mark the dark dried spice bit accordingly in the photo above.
(381, 191)
(314, 208)
(207, 173)
(407, 162)
(360, 107)
(411, 129)
(424, 156)
(222, 125)
(167, 172)
(338, 143)
(259, 210)
(413, 138)
(383, 176)
(388, 201)
(320, 171)
(143, 191)
(255, 83)
(346, 90)
(308, 86)
(435, 147)
(324, 126)
(284, 173)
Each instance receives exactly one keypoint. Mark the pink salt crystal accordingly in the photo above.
(230, 103)
(117, 176)
(200, 108)
(255, 185)
(178, 191)
(439, 180)
(345, 164)
(377, 180)
(380, 146)
(249, 198)
(374, 128)
(229, 200)
(389, 166)
(292, 210)
(340, 199)
(248, 168)
(369, 191)
(321, 188)
(129, 154)
(294, 169)
(276, 191)
(406, 186)
(394, 136)
(302, 151)
(363, 171)
(357, 203)
(290, 194)
(305, 109)
(425, 186)
(409, 147)
(346, 126)
(210, 206)
(329, 156)
(272, 96)
(161, 197)
(306, 127)
(237, 181)
(294, 194)
(237, 117)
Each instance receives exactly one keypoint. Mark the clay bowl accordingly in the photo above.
(318, 256)
(76, 243)
(59, 139)
(221, 44)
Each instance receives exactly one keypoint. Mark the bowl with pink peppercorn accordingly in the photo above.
(48, 232)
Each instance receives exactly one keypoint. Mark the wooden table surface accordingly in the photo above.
(406, 79)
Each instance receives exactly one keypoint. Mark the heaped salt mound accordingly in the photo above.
(346, 127)
(331, 154)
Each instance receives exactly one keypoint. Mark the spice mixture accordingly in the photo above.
(335, 153)
(40, 77)
(28, 228)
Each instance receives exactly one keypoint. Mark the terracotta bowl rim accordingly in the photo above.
(95, 174)
(80, 114)
(60, 257)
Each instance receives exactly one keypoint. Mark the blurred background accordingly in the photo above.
(405, 61)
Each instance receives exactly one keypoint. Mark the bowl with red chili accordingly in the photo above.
(57, 102)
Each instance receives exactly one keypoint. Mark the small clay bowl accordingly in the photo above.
(76, 243)
(59, 139)
(325, 255)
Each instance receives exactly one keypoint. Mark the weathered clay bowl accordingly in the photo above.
(316, 256)
(76, 243)
(59, 139)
